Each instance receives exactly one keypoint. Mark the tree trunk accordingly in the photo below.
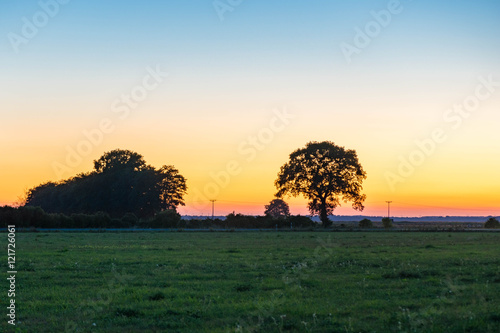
(323, 215)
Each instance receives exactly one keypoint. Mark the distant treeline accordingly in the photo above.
(36, 217)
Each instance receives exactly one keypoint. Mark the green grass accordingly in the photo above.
(256, 282)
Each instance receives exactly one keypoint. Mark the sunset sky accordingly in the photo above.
(226, 90)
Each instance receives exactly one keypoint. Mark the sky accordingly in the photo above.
(226, 90)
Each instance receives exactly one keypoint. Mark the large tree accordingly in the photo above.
(120, 183)
(325, 174)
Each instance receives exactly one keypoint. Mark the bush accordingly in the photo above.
(387, 222)
(117, 223)
(31, 217)
(267, 222)
(492, 223)
(101, 220)
(26, 217)
(299, 221)
(60, 221)
(129, 220)
(167, 219)
(240, 221)
(82, 220)
(365, 223)
(8, 215)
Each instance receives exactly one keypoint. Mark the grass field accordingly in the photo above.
(256, 282)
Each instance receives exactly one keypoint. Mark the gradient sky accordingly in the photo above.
(228, 77)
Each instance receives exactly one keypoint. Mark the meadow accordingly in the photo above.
(256, 282)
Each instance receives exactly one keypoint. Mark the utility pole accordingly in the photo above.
(389, 209)
(213, 202)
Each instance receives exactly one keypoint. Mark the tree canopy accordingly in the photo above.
(277, 209)
(325, 174)
(120, 159)
(492, 223)
(120, 183)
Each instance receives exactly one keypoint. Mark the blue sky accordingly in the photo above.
(225, 77)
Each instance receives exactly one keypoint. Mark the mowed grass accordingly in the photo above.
(257, 282)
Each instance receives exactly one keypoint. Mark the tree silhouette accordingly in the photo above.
(120, 159)
(277, 208)
(172, 187)
(120, 183)
(365, 223)
(324, 173)
(492, 223)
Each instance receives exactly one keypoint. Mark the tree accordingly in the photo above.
(492, 223)
(325, 174)
(172, 187)
(120, 159)
(387, 222)
(120, 183)
(277, 209)
(365, 223)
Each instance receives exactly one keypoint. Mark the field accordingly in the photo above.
(256, 282)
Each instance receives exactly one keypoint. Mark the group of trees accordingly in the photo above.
(120, 183)
(123, 191)
(367, 223)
